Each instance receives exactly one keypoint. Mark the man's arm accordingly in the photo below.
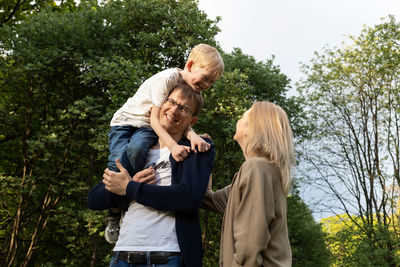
(178, 152)
(183, 197)
(216, 201)
(99, 198)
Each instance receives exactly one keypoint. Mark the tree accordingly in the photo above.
(14, 11)
(244, 81)
(353, 100)
(62, 74)
(307, 239)
(349, 245)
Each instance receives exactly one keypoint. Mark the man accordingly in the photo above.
(161, 225)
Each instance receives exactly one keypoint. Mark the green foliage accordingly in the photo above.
(243, 82)
(225, 102)
(352, 98)
(306, 237)
(351, 246)
(265, 82)
(12, 11)
(63, 73)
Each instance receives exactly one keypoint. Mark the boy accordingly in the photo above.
(135, 127)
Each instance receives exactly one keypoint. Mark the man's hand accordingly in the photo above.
(147, 176)
(116, 182)
(197, 141)
(179, 153)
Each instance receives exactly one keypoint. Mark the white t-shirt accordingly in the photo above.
(144, 228)
(136, 110)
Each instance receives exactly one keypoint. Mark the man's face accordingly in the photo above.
(172, 118)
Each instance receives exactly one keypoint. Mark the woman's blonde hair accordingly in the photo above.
(270, 136)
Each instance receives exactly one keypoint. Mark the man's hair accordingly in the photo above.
(270, 136)
(207, 57)
(186, 92)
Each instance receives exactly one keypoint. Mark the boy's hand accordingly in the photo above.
(196, 140)
(205, 135)
(179, 153)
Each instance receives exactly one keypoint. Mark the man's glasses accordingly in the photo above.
(182, 109)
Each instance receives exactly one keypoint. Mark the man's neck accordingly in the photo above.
(175, 136)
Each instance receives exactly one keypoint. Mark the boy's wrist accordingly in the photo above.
(188, 133)
(172, 146)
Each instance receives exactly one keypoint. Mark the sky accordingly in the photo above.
(292, 30)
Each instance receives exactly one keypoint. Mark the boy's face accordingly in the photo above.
(199, 78)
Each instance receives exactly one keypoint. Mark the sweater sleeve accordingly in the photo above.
(187, 194)
(216, 201)
(254, 213)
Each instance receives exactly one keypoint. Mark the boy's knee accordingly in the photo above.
(133, 149)
(112, 166)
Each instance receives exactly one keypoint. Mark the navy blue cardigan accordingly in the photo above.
(184, 197)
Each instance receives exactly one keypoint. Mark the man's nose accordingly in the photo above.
(175, 109)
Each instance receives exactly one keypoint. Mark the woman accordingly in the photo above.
(254, 229)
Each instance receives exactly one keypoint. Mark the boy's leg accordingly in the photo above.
(113, 220)
(118, 139)
(139, 145)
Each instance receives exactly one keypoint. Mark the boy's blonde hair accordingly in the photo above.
(207, 57)
(270, 136)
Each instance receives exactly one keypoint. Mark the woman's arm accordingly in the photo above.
(216, 201)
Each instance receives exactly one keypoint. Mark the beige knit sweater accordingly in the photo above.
(254, 228)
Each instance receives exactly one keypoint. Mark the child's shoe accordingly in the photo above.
(112, 229)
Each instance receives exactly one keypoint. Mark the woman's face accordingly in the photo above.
(242, 127)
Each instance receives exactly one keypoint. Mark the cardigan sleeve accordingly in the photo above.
(254, 213)
(99, 198)
(184, 196)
